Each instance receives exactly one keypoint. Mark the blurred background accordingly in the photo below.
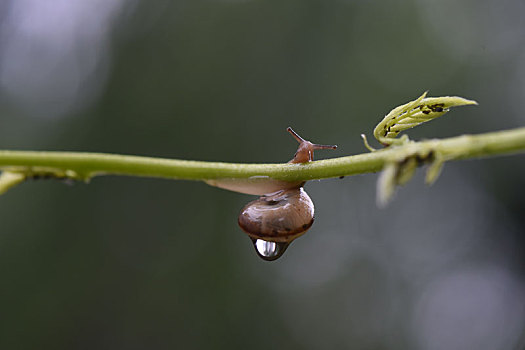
(130, 263)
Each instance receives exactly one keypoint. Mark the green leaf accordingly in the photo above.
(10, 179)
(414, 113)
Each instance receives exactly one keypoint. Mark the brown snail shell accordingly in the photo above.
(279, 217)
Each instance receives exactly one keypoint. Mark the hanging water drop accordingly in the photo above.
(269, 250)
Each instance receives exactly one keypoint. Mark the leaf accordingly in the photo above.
(414, 113)
(434, 170)
(386, 184)
(10, 179)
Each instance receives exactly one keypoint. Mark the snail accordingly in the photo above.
(275, 219)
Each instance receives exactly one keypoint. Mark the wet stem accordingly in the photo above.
(19, 165)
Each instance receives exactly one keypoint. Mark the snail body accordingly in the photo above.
(275, 219)
(256, 185)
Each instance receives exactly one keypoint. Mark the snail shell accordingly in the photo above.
(279, 217)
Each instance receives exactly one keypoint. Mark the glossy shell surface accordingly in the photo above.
(278, 217)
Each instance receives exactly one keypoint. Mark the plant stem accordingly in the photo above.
(86, 165)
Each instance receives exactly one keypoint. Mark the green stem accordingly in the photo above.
(86, 165)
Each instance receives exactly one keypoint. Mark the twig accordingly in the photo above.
(400, 158)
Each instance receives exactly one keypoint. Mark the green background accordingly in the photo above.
(130, 263)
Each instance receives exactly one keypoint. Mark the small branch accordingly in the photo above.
(84, 166)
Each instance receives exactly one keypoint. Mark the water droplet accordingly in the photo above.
(269, 250)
